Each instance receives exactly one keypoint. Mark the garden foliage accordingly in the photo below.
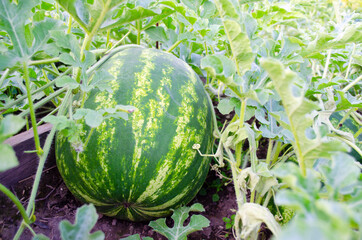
(282, 69)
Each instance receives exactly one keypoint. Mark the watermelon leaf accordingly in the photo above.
(86, 218)
(238, 38)
(88, 14)
(13, 20)
(298, 110)
(9, 126)
(26, 40)
(66, 81)
(179, 231)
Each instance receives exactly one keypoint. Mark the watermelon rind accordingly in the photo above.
(142, 168)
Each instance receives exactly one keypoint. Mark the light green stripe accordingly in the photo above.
(184, 134)
(171, 202)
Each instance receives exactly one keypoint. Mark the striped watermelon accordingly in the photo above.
(141, 168)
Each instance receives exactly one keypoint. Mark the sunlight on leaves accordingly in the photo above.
(238, 38)
(298, 110)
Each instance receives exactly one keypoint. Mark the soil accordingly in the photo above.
(55, 203)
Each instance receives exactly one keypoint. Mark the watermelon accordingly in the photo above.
(142, 168)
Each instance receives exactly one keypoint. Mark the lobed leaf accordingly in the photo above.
(298, 110)
(86, 218)
(13, 20)
(238, 38)
(179, 231)
(87, 13)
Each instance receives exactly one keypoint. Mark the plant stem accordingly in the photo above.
(351, 144)
(139, 27)
(16, 201)
(42, 102)
(51, 113)
(350, 61)
(252, 196)
(267, 198)
(51, 71)
(358, 133)
(119, 42)
(88, 137)
(240, 197)
(177, 43)
(40, 168)
(69, 25)
(44, 61)
(55, 69)
(9, 105)
(32, 110)
(241, 125)
(4, 76)
(270, 148)
(327, 64)
(89, 37)
(346, 88)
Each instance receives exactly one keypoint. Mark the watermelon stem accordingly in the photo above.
(177, 42)
(16, 201)
(119, 42)
(351, 144)
(346, 88)
(358, 133)
(88, 137)
(48, 142)
(32, 110)
(20, 99)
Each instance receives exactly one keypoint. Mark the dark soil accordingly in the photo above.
(55, 203)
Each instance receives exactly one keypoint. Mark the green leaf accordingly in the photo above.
(10, 125)
(66, 81)
(88, 13)
(238, 39)
(207, 9)
(226, 8)
(12, 20)
(224, 106)
(8, 158)
(92, 118)
(240, 46)
(347, 101)
(157, 33)
(343, 173)
(298, 110)
(41, 32)
(59, 122)
(220, 67)
(86, 218)
(67, 41)
(324, 41)
(8, 60)
(158, 18)
(179, 231)
(192, 4)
